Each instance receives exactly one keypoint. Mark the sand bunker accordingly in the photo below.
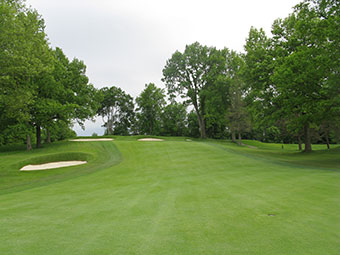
(150, 140)
(92, 140)
(52, 165)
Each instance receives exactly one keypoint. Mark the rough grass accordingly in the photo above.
(174, 197)
(284, 147)
(320, 157)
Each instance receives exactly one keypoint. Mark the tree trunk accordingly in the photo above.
(202, 114)
(202, 129)
(151, 128)
(38, 132)
(233, 136)
(48, 138)
(28, 143)
(110, 127)
(239, 138)
(308, 142)
(201, 123)
(300, 143)
(327, 140)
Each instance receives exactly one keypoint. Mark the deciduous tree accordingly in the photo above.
(189, 74)
(173, 119)
(117, 111)
(150, 105)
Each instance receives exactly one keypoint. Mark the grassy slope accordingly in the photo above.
(173, 197)
(98, 155)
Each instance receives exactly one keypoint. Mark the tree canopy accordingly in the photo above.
(150, 104)
(189, 74)
(39, 86)
(283, 88)
(117, 111)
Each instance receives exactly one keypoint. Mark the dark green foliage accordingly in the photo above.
(62, 94)
(117, 111)
(173, 119)
(38, 86)
(150, 105)
(237, 115)
(24, 54)
(291, 77)
(14, 134)
(191, 73)
(285, 88)
(303, 67)
(60, 131)
(256, 76)
(192, 128)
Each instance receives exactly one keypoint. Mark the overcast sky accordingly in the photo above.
(126, 43)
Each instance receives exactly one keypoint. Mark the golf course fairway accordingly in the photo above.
(170, 197)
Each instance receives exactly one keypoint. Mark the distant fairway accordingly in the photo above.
(171, 197)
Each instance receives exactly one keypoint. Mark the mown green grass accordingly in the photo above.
(98, 155)
(171, 197)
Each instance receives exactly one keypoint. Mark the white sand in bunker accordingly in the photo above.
(92, 140)
(150, 140)
(52, 165)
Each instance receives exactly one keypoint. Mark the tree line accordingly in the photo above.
(283, 88)
(40, 88)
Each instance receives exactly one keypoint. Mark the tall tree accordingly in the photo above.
(38, 86)
(260, 90)
(190, 73)
(150, 105)
(63, 94)
(117, 111)
(303, 68)
(24, 55)
(238, 119)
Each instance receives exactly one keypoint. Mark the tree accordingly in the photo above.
(38, 86)
(237, 114)
(117, 111)
(328, 13)
(217, 101)
(260, 90)
(24, 55)
(150, 105)
(192, 125)
(60, 131)
(190, 73)
(304, 67)
(62, 94)
(173, 119)
(238, 119)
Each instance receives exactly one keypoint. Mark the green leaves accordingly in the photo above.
(174, 119)
(289, 75)
(38, 86)
(24, 55)
(190, 75)
(117, 111)
(150, 104)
